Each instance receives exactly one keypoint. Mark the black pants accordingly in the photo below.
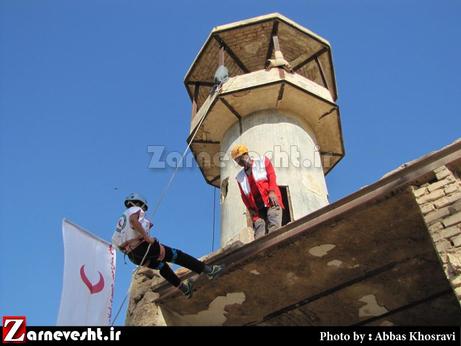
(171, 255)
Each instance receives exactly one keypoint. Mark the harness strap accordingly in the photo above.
(130, 247)
(161, 255)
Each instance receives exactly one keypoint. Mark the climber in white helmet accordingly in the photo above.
(132, 238)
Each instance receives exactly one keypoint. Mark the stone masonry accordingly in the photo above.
(141, 310)
(440, 203)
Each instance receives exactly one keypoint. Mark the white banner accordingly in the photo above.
(89, 275)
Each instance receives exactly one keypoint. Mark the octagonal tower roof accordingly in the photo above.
(248, 45)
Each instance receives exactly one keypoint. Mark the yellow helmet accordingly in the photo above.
(238, 150)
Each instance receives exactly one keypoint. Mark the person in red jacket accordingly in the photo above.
(260, 193)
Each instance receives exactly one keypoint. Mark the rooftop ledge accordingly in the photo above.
(358, 261)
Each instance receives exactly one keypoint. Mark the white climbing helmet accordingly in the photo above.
(135, 197)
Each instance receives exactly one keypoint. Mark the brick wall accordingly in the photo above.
(440, 203)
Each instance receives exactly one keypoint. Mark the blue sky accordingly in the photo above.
(86, 86)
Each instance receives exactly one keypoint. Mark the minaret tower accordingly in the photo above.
(279, 100)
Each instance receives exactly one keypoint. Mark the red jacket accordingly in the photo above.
(266, 181)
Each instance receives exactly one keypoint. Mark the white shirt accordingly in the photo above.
(124, 232)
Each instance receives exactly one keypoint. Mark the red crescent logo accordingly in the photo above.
(93, 288)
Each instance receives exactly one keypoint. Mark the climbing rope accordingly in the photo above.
(157, 205)
(214, 216)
